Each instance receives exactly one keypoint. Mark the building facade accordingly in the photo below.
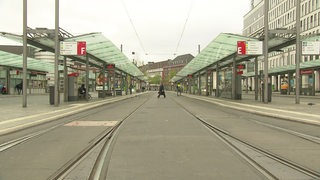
(282, 14)
(165, 69)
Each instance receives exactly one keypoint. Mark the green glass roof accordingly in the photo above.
(222, 46)
(105, 50)
(13, 60)
(98, 46)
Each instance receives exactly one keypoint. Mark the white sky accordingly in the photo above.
(159, 23)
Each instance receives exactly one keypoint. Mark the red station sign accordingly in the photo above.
(81, 48)
(241, 47)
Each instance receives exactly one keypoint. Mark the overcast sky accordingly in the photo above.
(158, 24)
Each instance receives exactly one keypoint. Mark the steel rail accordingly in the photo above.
(106, 140)
(224, 134)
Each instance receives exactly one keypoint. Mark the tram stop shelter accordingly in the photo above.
(220, 70)
(103, 61)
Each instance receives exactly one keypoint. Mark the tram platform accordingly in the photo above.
(38, 110)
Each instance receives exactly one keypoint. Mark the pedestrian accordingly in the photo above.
(82, 91)
(179, 89)
(161, 91)
(19, 88)
(130, 88)
(4, 90)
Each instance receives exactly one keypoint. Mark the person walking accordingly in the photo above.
(19, 88)
(161, 91)
(179, 89)
(82, 91)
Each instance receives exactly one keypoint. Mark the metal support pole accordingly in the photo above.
(199, 83)
(25, 51)
(127, 84)
(65, 79)
(87, 77)
(233, 81)
(217, 81)
(189, 85)
(265, 50)
(207, 82)
(211, 83)
(289, 83)
(298, 51)
(247, 84)
(104, 77)
(8, 81)
(256, 79)
(114, 83)
(56, 53)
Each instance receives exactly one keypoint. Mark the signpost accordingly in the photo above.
(73, 48)
(249, 47)
(310, 47)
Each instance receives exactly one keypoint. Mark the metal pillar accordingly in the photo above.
(65, 80)
(114, 83)
(265, 50)
(207, 81)
(256, 79)
(189, 85)
(247, 84)
(217, 81)
(127, 84)
(298, 51)
(104, 76)
(56, 53)
(211, 82)
(25, 51)
(233, 81)
(199, 83)
(87, 77)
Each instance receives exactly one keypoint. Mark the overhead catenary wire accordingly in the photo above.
(184, 28)
(134, 28)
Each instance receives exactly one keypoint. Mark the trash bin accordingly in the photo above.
(51, 95)
(101, 94)
(119, 92)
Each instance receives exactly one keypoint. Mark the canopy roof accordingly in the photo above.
(103, 49)
(222, 50)
(224, 45)
(99, 49)
(13, 60)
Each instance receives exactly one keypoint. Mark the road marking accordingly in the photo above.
(92, 123)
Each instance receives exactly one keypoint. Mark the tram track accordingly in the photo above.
(14, 142)
(95, 143)
(304, 136)
(106, 142)
(261, 159)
